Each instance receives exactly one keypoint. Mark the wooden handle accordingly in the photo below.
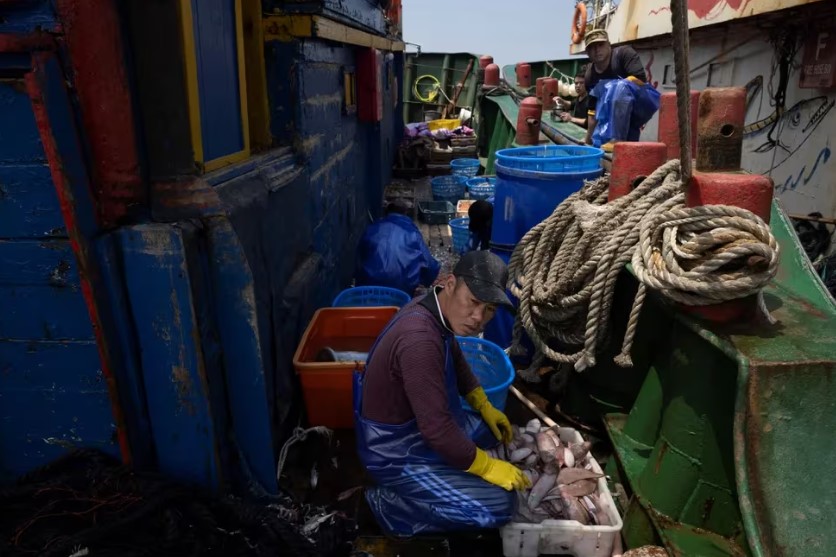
(539, 413)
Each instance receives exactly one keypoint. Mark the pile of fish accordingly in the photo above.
(564, 486)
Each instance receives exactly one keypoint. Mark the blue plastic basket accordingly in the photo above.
(551, 158)
(371, 296)
(448, 188)
(460, 233)
(491, 366)
(465, 167)
(482, 187)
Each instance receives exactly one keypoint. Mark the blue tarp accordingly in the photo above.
(392, 253)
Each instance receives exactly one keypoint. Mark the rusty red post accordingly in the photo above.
(748, 191)
(523, 75)
(491, 75)
(717, 179)
(550, 91)
(528, 122)
(538, 84)
(633, 162)
(668, 131)
(722, 112)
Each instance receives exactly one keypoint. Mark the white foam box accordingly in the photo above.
(552, 537)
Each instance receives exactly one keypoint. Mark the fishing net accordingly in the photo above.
(87, 503)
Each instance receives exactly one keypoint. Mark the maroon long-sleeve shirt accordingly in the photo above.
(405, 379)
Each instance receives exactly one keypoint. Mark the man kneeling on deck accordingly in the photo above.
(422, 448)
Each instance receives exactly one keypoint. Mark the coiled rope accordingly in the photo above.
(564, 269)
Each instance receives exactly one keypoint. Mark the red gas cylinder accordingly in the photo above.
(720, 129)
(669, 123)
(538, 87)
(550, 90)
(528, 122)
(633, 162)
(491, 75)
(523, 75)
(484, 61)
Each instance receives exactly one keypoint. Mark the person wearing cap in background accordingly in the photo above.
(608, 62)
(424, 450)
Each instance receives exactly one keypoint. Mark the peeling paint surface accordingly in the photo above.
(48, 355)
(160, 297)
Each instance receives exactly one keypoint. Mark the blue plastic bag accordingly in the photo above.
(392, 253)
(623, 108)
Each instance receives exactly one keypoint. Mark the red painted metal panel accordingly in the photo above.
(369, 85)
(92, 30)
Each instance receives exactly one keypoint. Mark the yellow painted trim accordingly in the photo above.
(242, 76)
(286, 28)
(258, 106)
(226, 160)
(190, 64)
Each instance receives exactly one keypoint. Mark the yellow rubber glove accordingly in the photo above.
(498, 472)
(496, 420)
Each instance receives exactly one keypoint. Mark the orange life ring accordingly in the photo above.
(579, 23)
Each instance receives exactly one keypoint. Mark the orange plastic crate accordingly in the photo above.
(327, 386)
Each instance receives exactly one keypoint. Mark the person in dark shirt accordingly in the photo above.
(581, 105)
(608, 63)
(424, 451)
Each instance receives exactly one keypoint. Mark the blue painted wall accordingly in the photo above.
(218, 318)
(52, 391)
(212, 299)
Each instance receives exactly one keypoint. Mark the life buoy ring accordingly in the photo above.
(579, 23)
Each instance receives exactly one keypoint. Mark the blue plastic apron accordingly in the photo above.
(416, 491)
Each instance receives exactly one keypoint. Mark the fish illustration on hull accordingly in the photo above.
(790, 129)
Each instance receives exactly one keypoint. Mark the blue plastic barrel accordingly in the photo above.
(532, 181)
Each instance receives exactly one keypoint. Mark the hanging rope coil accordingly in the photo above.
(564, 269)
(433, 89)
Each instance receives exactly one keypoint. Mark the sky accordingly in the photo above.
(510, 31)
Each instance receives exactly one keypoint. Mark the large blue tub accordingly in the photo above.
(532, 181)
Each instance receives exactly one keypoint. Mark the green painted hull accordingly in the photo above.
(722, 434)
